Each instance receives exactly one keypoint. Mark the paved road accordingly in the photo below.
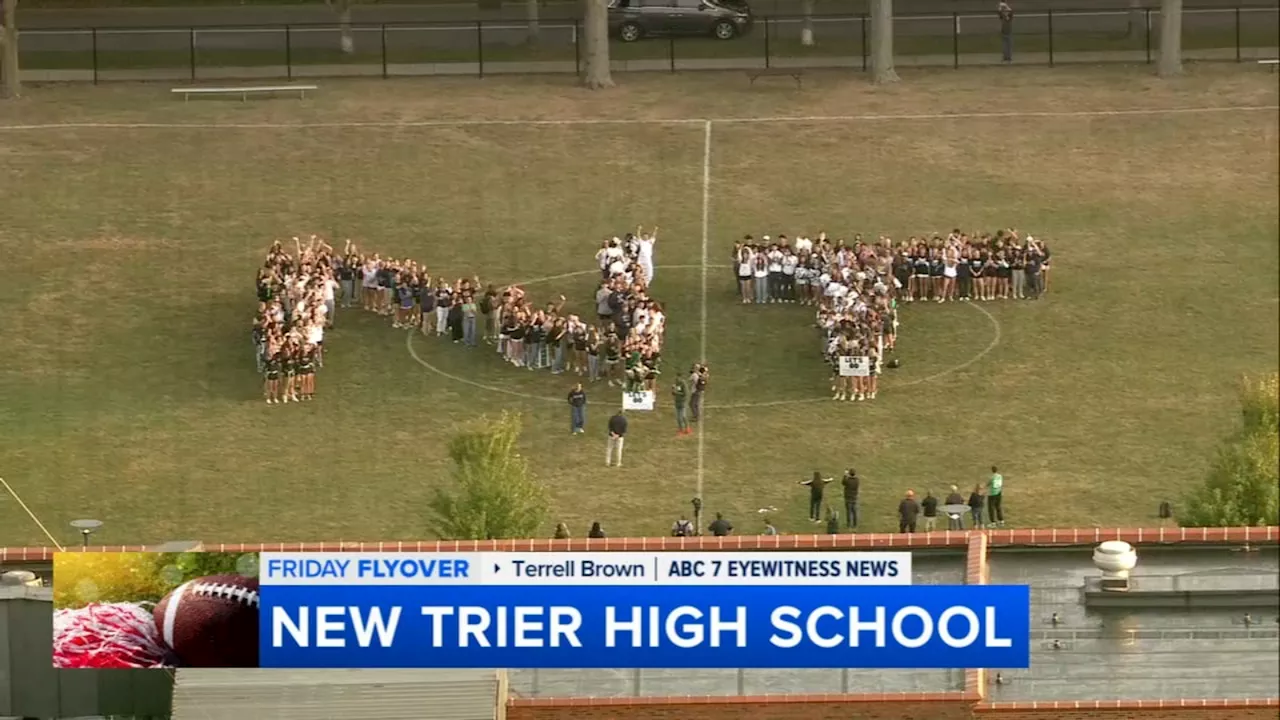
(453, 27)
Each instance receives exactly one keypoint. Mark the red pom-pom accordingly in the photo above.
(111, 635)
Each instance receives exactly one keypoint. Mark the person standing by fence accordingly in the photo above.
(995, 498)
(1006, 31)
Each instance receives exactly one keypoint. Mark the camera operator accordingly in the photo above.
(698, 377)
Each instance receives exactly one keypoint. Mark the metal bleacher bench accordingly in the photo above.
(243, 92)
(796, 74)
(1273, 63)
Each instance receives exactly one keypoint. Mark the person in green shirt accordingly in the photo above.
(995, 498)
(680, 396)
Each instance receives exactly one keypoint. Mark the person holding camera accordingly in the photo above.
(698, 387)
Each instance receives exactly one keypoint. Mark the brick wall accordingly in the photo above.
(869, 710)
(1132, 710)
(892, 709)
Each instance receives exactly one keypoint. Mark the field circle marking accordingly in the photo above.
(996, 337)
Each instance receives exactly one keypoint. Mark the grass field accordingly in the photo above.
(130, 393)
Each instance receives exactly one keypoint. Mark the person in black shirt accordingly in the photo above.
(908, 511)
(976, 503)
(577, 409)
(851, 482)
(617, 438)
(817, 484)
(929, 508)
(596, 531)
(720, 527)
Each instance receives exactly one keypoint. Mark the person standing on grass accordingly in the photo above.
(617, 438)
(769, 528)
(954, 522)
(1006, 31)
(577, 410)
(720, 527)
(995, 498)
(908, 512)
(698, 388)
(851, 482)
(976, 502)
(596, 532)
(680, 399)
(817, 485)
(929, 508)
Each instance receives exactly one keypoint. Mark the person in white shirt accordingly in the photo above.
(644, 252)
(746, 265)
(760, 278)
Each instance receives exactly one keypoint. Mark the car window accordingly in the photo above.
(657, 3)
(690, 4)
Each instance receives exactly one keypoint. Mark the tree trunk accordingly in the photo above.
(10, 83)
(595, 21)
(344, 23)
(1170, 63)
(531, 18)
(806, 29)
(882, 42)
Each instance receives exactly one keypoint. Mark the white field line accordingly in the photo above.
(702, 294)
(9, 489)
(454, 26)
(1011, 115)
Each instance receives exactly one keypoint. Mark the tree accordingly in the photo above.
(10, 82)
(595, 35)
(806, 28)
(882, 42)
(531, 20)
(343, 8)
(493, 495)
(1243, 486)
(1170, 63)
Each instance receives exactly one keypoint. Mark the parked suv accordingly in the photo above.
(630, 20)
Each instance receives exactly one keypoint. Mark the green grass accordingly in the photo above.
(130, 393)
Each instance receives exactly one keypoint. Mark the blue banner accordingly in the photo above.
(930, 626)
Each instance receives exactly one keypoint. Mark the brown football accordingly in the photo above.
(212, 621)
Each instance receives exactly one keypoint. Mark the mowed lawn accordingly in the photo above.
(129, 392)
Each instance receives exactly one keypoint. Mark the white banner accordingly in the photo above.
(638, 400)
(587, 568)
(855, 366)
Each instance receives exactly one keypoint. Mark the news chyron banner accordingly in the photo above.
(630, 610)
(526, 610)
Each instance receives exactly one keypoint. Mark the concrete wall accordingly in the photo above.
(29, 686)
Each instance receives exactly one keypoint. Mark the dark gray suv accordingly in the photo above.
(630, 20)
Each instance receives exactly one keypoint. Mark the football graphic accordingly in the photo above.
(211, 621)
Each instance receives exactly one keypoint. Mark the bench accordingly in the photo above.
(243, 92)
(796, 74)
(1273, 63)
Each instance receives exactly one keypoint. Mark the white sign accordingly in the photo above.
(855, 366)
(642, 400)
(587, 568)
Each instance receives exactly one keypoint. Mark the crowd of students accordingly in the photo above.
(298, 294)
(296, 297)
(856, 287)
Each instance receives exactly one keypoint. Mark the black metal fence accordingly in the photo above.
(483, 48)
